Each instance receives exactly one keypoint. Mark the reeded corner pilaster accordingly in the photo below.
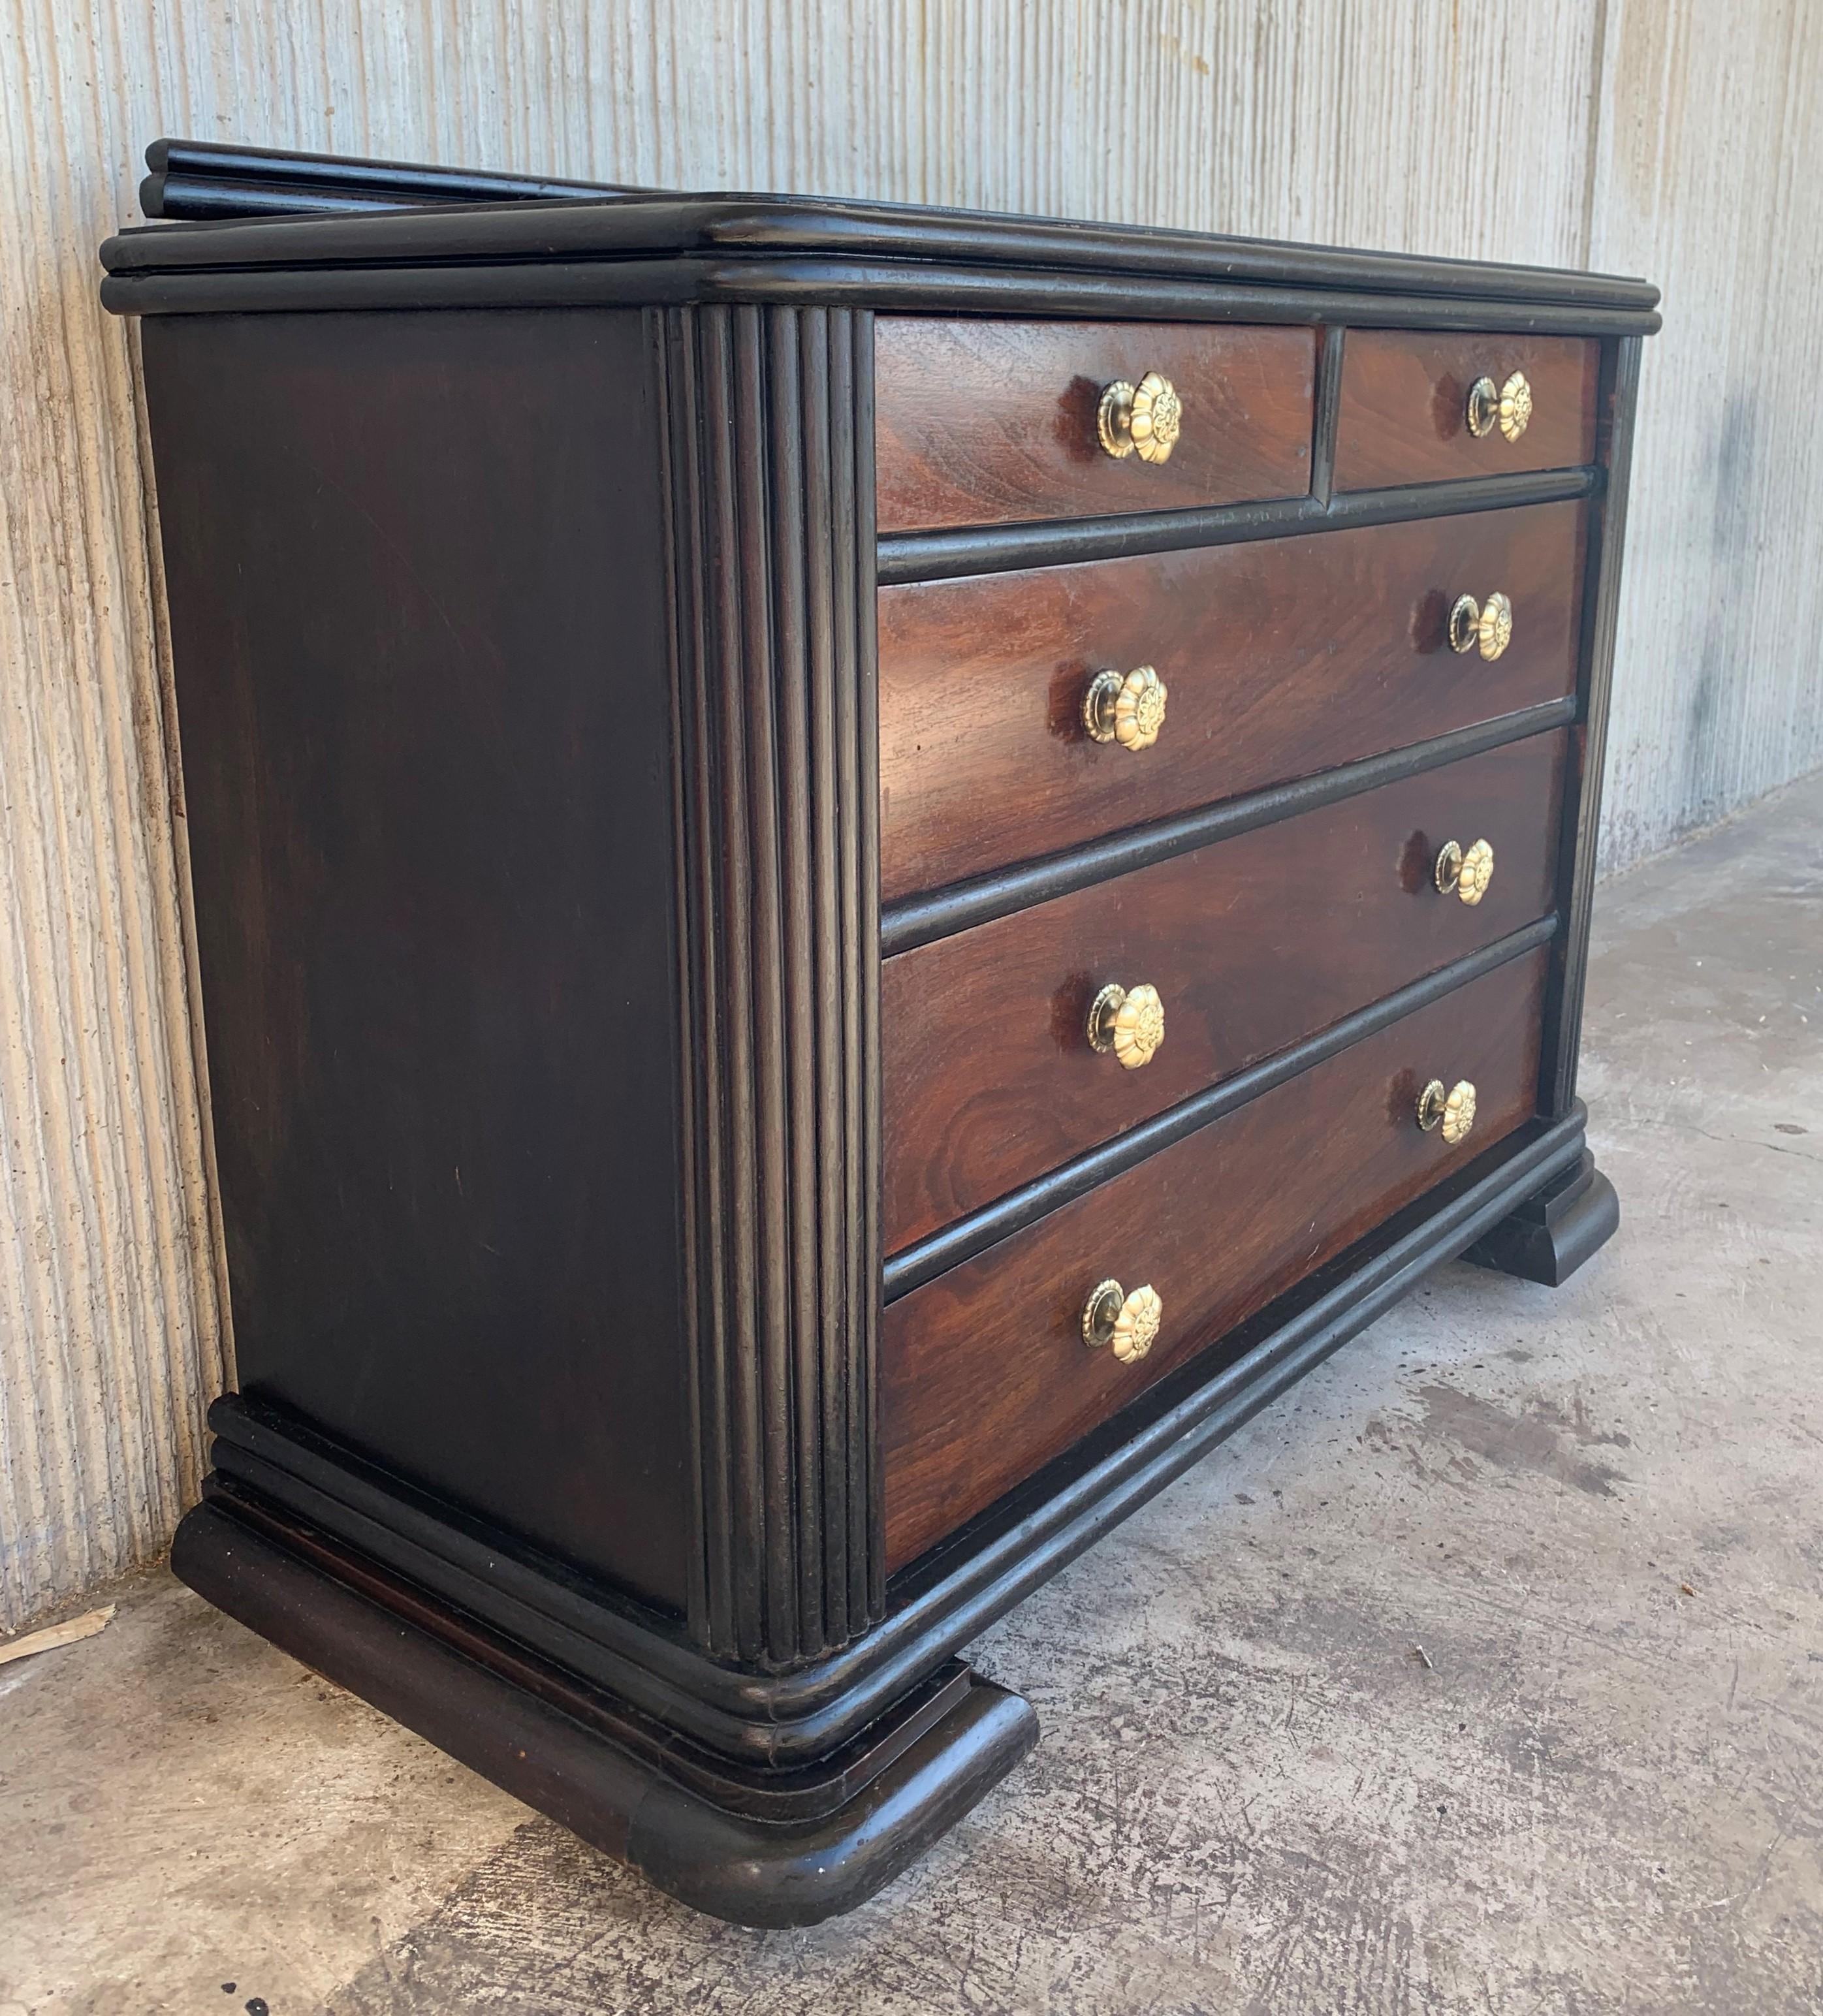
(769, 434)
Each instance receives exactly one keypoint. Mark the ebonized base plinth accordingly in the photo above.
(1550, 1235)
(535, 1734)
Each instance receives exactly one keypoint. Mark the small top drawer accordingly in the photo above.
(1405, 414)
(983, 422)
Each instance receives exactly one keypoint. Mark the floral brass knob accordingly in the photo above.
(1464, 875)
(1487, 626)
(1126, 708)
(1453, 1110)
(1126, 1324)
(1129, 1021)
(1509, 408)
(1141, 419)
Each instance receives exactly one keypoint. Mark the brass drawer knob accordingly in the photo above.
(1126, 708)
(1126, 1324)
(1141, 420)
(1487, 626)
(1464, 875)
(1509, 408)
(1453, 1110)
(1129, 1021)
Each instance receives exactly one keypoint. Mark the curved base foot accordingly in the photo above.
(1550, 1235)
(541, 1736)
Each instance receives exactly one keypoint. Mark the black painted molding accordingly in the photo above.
(194, 179)
(906, 556)
(1547, 1235)
(769, 473)
(447, 277)
(781, 227)
(574, 1754)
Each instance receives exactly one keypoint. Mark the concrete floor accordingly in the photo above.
(1598, 1511)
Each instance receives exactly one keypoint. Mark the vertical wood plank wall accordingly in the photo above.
(1655, 136)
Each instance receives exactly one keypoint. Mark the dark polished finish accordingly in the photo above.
(1331, 346)
(206, 178)
(532, 1731)
(1252, 944)
(1282, 659)
(428, 975)
(782, 225)
(1404, 407)
(985, 423)
(1563, 1012)
(511, 275)
(769, 476)
(545, 773)
(1550, 1235)
(984, 1372)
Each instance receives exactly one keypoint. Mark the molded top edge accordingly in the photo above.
(642, 224)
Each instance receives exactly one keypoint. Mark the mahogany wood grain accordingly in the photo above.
(1403, 415)
(1253, 943)
(1282, 657)
(983, 422)
(985, 1374)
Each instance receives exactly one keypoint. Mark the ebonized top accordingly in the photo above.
(709, 245)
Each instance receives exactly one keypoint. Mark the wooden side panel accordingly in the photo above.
(1563, 1027)
(1404, 406)
(1282, 658)
(1253, 943)
(986, 422)
(985, 1373)
(770, 483)
(433, 873)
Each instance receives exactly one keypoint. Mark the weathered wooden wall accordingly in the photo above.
(1657, 136)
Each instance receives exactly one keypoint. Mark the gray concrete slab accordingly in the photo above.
(1599, 1787)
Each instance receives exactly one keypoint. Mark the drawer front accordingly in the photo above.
(991, 1078)
(1404, 412)
(1279, 658)
(985, 1373)
(991, 423)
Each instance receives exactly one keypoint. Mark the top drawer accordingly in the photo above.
(991, 423)
(1405, 406)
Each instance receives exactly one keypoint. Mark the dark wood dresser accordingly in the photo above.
(861, 873)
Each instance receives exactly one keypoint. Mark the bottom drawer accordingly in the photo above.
(985, 1373)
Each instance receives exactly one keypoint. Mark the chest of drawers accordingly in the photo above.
(860, 874)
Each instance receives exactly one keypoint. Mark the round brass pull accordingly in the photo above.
(1487, 626)
(1464, 875)
(1127, 1324)
(1509, 408)
(1453, 1110)
(1129, 1021)
(1141, 420)
(1126, 708)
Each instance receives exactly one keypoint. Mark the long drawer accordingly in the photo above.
(1279, 659)
(983, 422)
(991, 1074)
(985, 1372)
